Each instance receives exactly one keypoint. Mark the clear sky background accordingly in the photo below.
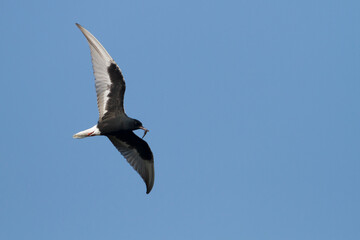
(252, 106)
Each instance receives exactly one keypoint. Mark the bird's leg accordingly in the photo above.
(89, 134)
(145, 131)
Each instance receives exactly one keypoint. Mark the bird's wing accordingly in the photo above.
(109, 81)
(138, 153)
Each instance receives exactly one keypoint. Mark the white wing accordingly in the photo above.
(101, 60)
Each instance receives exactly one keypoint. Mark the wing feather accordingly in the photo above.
(138, 154)
(102, 62)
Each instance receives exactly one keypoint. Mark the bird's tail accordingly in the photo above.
(94, 131)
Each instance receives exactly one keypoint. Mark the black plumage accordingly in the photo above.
(113, 121)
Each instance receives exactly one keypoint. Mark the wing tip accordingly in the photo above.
(148, 189)
(150, 177)
(78, 25)
(94, 43)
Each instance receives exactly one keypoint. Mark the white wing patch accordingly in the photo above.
(101, 60)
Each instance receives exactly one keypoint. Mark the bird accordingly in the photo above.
(113, 121)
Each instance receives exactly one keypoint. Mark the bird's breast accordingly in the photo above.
(111, 126)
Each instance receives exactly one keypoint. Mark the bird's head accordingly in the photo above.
(138, 125)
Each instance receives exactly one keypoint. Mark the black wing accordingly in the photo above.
(115, 101)
(138, 153)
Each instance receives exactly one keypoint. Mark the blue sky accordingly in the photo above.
(252, 106)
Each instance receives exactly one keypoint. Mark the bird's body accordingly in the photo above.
(113, 121)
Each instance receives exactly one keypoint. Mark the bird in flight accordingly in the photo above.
(113, 121)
